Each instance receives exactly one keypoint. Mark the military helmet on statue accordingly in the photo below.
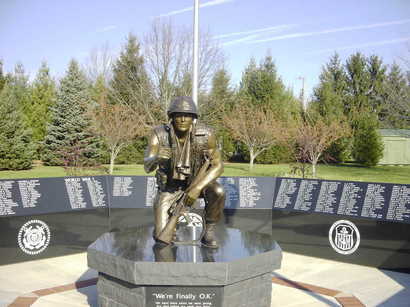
(182, 104)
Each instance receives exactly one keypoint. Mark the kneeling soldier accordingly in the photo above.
(178, 150)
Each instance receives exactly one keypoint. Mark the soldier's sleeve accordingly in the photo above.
(216, 168)
(151, 153)
(214, 152)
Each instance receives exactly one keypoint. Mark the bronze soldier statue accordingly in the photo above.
(179, 151)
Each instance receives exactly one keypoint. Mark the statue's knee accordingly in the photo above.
(218, 190)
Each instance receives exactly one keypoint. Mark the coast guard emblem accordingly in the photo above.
(344, 237)
(34, 237)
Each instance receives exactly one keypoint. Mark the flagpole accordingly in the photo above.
(195, 55)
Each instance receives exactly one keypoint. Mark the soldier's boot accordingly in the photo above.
(209, 239)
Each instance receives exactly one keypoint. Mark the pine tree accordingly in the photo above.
(131, 86)
(262, 87)
(221, 98)
(2, 76)
(395, 112)
(377, 74)
(358, 85)
(329, 99)
(68, 140)
(130, 83)
(329, 95)
(43, 96)
(21, 90)
(220, 101)
(367, 146)
(16, 150)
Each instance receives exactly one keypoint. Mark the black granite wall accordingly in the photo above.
(369, 223)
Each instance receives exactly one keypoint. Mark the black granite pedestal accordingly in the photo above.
(135, 271)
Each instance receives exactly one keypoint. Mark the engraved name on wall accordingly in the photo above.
(381, 201)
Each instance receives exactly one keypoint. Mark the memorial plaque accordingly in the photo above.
(29, 197)
(248, 192)
(286, 193)
(399, 206)
(231, 192)
(48, 217)
(307, 195)
(172, 296)
(132, 191)
(376, 201)
(356, 222)
(383, 244)
(352, 199)
(329, 194)
(379, 201)
(241, 192)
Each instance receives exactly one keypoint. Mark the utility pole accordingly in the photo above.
(195, 55)
(303, 93)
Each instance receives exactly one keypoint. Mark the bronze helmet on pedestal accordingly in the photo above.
(182, 104)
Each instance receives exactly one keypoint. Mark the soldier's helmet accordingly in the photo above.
(182, 104)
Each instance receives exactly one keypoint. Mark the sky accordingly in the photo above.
(299, 35)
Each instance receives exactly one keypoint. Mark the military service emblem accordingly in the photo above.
(344, 237)
(34, 237)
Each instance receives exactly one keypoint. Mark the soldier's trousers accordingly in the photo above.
(213, 194)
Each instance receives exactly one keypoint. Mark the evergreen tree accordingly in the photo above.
(220, 101)
(395, 112)
(261, 86)
(2, 76)
(329, 103)
(364, 85)
(68, 140)
(364, 103)
(99, 91)
(130, 83)
(21, 90)
(220, 98)
(43, 96)
(359, 85)
(131, 86)
(367, 146)
(377, 75)
(329, 96)
(16, 150)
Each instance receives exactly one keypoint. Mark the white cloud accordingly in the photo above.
(191, 8)
(241, 40)
(106, 29)
(262, 30)
(365, 45)
(258, 33)
(334, 30)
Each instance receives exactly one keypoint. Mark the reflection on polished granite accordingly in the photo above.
(137, 245)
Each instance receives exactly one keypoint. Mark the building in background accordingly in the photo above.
(396, 146)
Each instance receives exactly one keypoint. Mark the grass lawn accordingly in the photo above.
(392, 174)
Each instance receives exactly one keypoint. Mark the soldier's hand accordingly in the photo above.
(164, 154)
(191, 196)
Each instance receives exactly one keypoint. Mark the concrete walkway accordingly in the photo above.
(302, 281)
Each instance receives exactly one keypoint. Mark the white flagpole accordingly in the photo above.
(195, 55)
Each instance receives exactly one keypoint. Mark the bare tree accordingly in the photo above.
(118, 125)
(313, 137)
(168, 55)
(99, 64)
(257, 127)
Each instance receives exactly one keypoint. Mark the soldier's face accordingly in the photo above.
(182, 121)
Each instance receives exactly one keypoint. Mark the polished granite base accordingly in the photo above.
(135, 271)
